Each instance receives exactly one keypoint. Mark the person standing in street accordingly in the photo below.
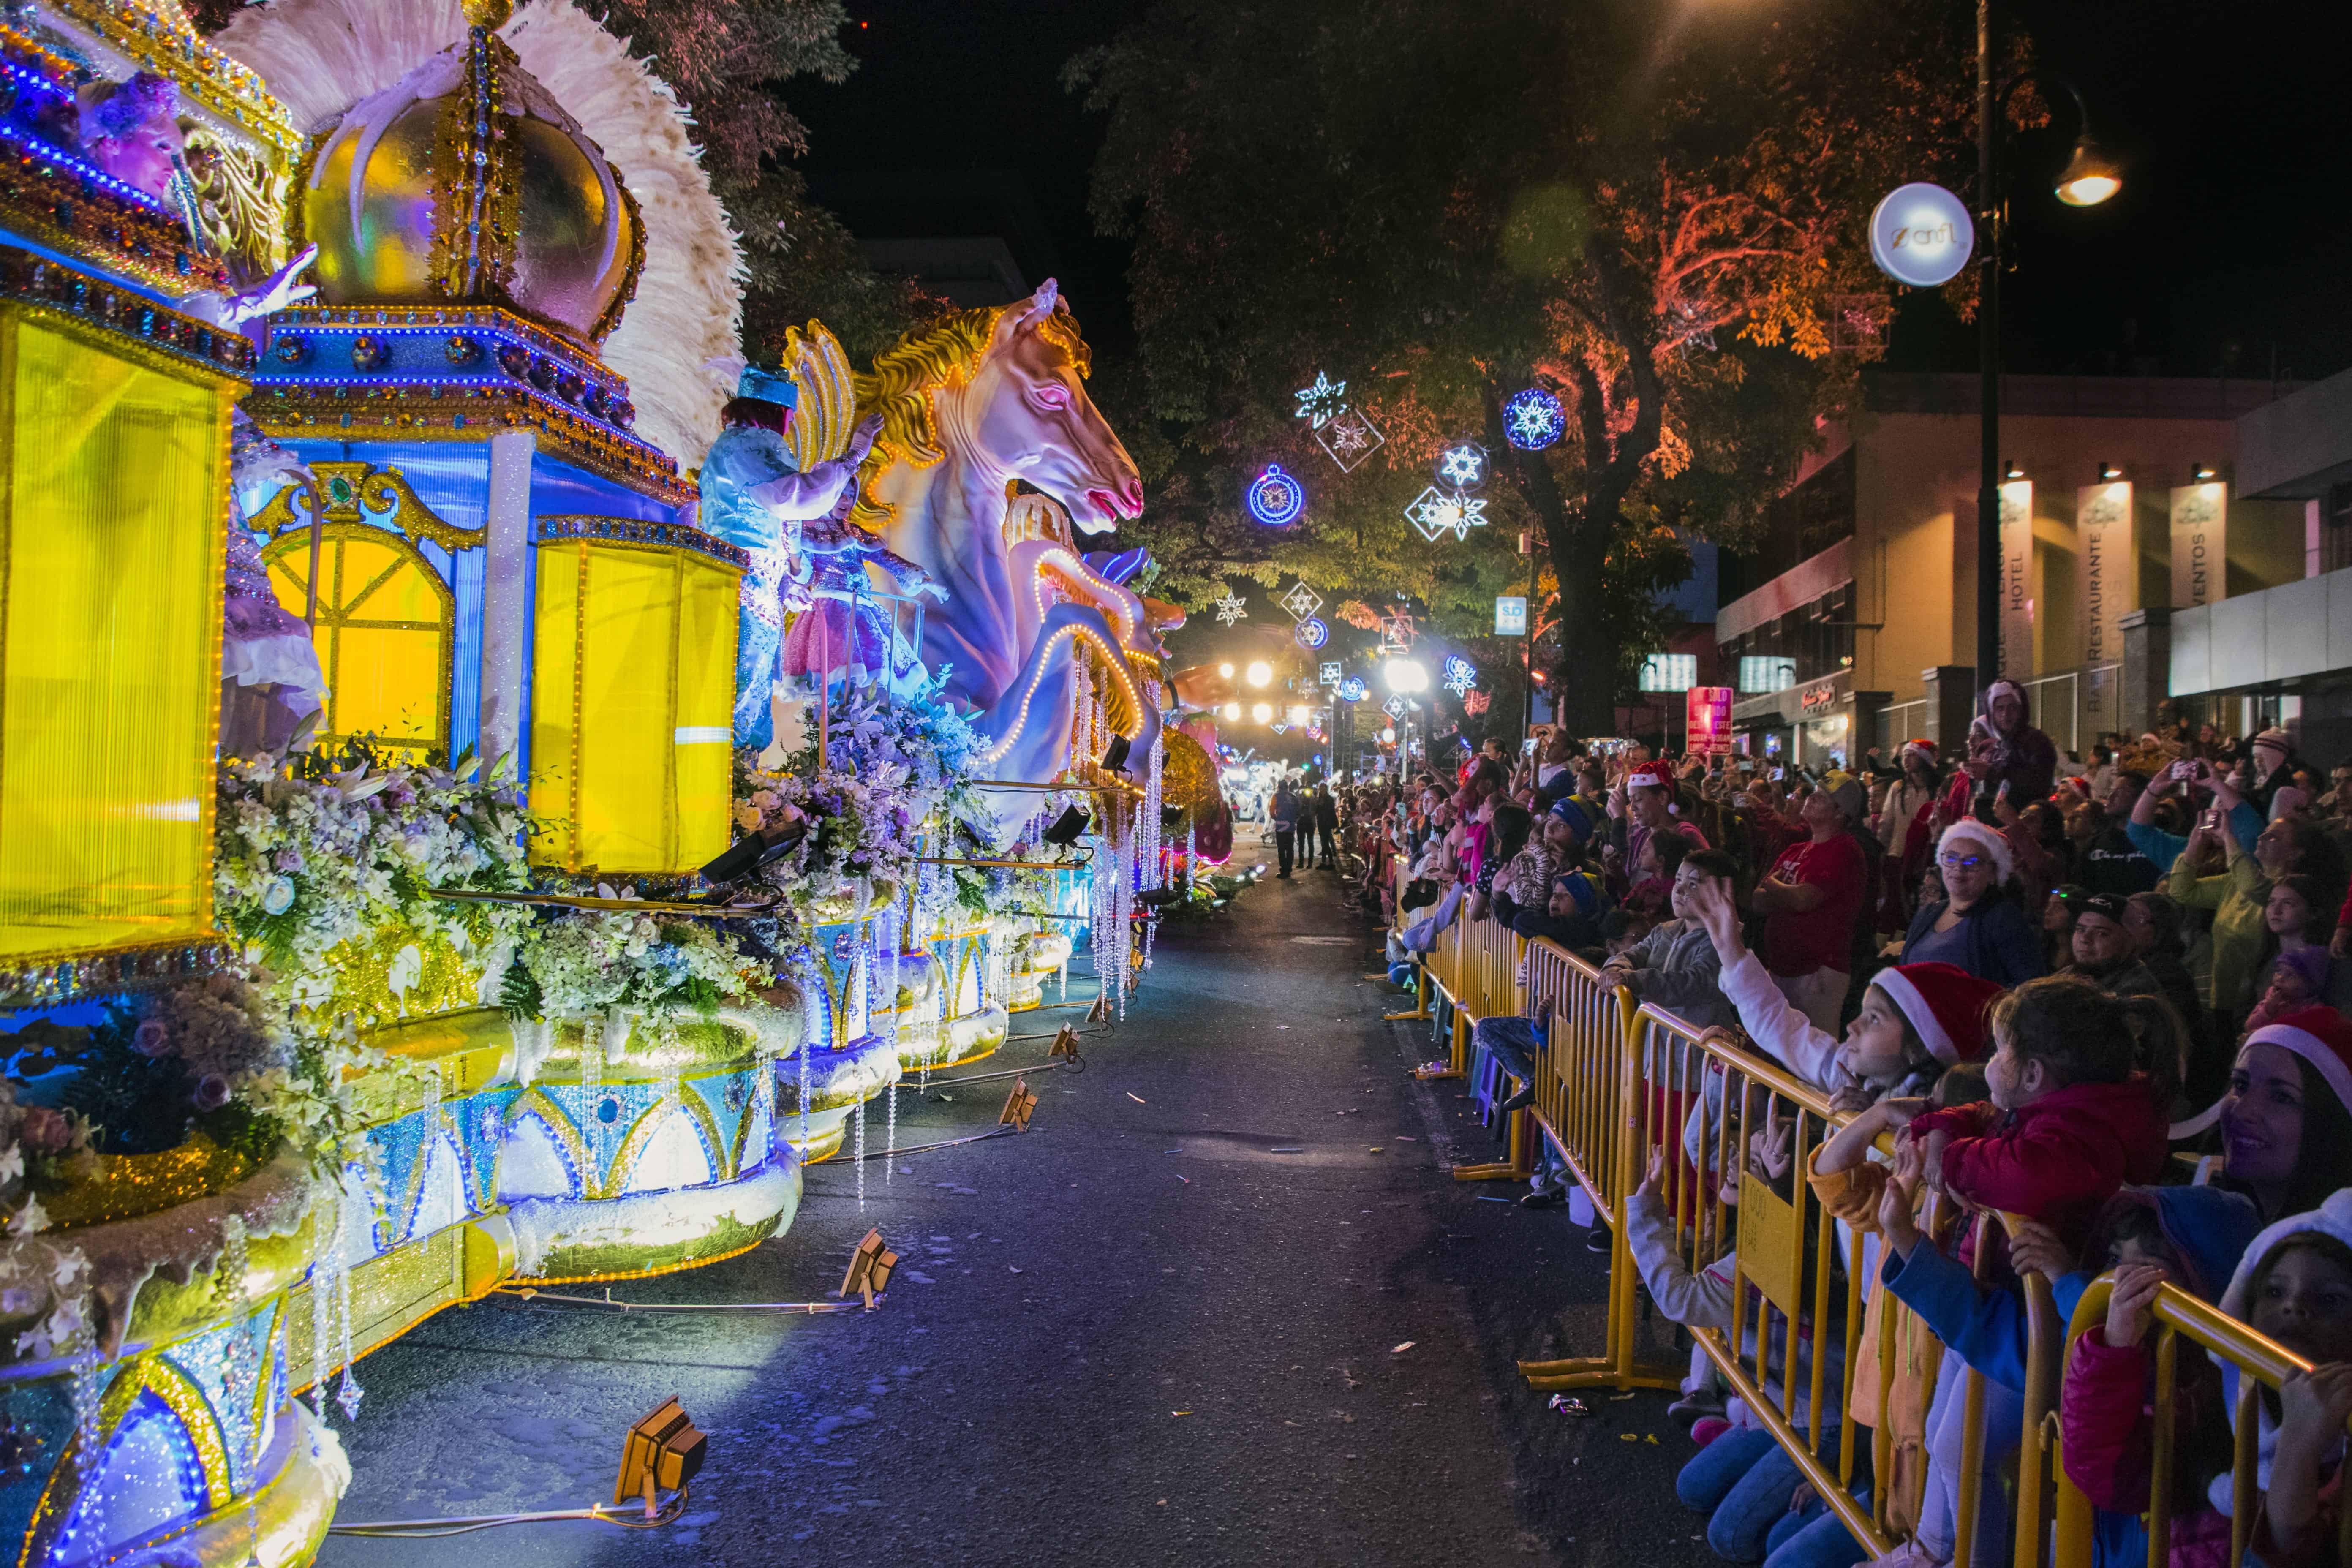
(1326, 827)
(1285, 813)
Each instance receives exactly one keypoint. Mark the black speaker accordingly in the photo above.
(1067, 827)
(752, 851)
(1115, 758)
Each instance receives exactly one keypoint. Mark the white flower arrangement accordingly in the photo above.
(304, 866)
(586, 962)
(891, 772)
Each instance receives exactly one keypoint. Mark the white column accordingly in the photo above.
(504, 606)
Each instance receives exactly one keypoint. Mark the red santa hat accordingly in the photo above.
(1924, 748)
(1945, 1003)
(1651, 776)
(2320, 1035)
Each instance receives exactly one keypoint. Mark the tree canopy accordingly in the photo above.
(1655, 211)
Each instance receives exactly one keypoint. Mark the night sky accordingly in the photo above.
(2227, 247)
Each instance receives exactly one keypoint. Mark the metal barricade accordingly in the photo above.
(2261, 1363)
(1587, 1090)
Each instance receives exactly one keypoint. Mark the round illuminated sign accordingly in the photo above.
(1276, 498)
(1311, 633)
(1354, 690)
(1921, 235)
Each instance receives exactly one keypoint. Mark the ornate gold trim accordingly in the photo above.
(361, 493)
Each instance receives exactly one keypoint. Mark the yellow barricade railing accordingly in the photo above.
(2176, 1317)
(1619, 1084)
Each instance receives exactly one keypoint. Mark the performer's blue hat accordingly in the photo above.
(768, 386)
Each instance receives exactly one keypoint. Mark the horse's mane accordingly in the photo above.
(942, 355)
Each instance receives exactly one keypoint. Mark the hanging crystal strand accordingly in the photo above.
(432, 1102)
(859, 1116)
(348, 1391)
(591, 1080)
(322, 1286)
(87, 1397)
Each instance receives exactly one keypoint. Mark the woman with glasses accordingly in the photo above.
(1979, 925)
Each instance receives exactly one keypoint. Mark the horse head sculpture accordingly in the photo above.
(974, 409)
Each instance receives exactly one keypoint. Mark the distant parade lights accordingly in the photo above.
(1405, 674)
(1263, 712)
(1260, 673)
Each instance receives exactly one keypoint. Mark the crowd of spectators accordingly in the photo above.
(2099, 996)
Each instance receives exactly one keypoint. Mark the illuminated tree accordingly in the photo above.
(1654, 211)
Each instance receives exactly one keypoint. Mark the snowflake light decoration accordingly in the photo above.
(1323, 402)
(1393, 708)
(1311, 633)
(1462, 467)
(1396, 629)
(1476, 702)
(1349, 437)
(1461, 675)
(1329, 674)
(1230, 608)
(1434, 513)
(1353, 689)
(1533, 419)
(1279, 729)
(1302, 602)
(1276, 498)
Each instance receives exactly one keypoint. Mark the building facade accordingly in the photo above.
(1852, 626)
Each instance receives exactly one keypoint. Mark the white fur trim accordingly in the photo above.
(2311, 1049)
(1906, 994)
(321, 56)
(1994, 842)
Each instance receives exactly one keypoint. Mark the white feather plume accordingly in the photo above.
(320, 56)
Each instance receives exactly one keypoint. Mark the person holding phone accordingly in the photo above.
(2240, 896)
(2005, 749)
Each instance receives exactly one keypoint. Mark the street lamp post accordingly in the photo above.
(2088, 179)
(1988, 367)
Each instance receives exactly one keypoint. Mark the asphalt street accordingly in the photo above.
(1138, 1334)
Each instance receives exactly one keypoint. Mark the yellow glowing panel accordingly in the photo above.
(633, 684)
(115, 478)
(384, 634)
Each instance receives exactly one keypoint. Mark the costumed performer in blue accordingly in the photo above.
(754, 497)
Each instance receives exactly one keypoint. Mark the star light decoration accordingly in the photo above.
(1311, 633)
(1533, 419)
(1230, 608)
(1279, 729)
(1461, 675)
(1323, 402)
(1434, 513)
(1274, 498)
(1394, 707)
(1396, 629)
(1463, 466)
(1301, 601)
(1329, 674)
(1349, 437)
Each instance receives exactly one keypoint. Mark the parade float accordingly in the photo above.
(402, 613)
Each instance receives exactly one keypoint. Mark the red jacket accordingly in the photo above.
(2056, 1160)
(2105, 1422)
